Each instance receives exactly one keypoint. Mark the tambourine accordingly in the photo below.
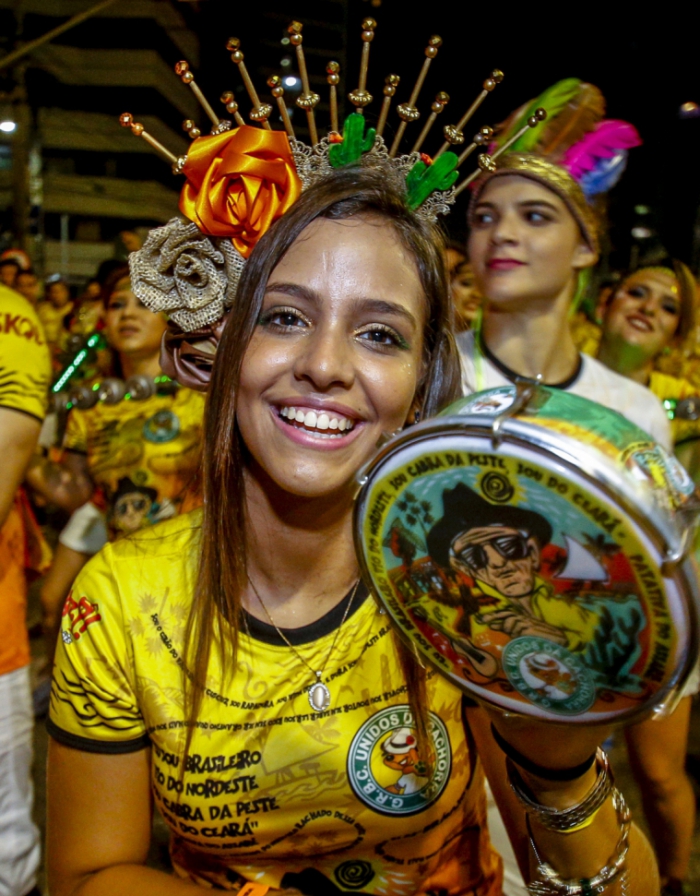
(534, 547)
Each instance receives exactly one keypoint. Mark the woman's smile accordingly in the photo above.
(320, 428)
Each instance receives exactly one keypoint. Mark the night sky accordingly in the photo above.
(646, 69)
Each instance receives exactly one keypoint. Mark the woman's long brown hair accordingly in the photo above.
(216, 609)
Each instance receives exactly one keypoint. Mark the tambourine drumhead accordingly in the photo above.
(527, 568)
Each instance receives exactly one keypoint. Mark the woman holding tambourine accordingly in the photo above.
(230, 664)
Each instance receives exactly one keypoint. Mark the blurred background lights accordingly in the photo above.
(292, 81)
(689, 110)
(641, 233)
(7, 127)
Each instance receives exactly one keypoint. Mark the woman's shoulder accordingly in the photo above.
(153, 557)
(176, 537)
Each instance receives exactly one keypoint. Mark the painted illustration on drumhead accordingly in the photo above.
(520, 584)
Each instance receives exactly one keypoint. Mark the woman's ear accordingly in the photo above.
(584, 256)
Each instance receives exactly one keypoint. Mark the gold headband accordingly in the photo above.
(554, 178)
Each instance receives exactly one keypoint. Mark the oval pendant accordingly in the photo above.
(319, 697)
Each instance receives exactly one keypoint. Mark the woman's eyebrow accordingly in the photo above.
(539, 203)
(381, 306)
(295, 291)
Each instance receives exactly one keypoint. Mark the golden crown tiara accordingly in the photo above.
(424, 175)
(240, 178)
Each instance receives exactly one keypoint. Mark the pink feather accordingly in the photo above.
(607, 139)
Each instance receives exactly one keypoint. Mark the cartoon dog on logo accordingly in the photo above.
(400, 752)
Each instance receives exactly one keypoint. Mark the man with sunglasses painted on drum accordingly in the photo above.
(506, 555)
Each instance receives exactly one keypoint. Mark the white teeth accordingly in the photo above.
(318, 421)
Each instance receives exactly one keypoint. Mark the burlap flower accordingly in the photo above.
(186, 274)
(238, 183)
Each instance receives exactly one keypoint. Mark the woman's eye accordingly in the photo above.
(671, 308)
(115, 306)
(283, 319)
(483, 219)
(536, 217)
(383, 336)
(637, 292)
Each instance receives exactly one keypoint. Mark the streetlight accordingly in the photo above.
(7, 126)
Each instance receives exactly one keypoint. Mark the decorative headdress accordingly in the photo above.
(574, 152)
(240, 179)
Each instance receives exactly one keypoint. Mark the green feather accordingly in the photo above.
(553, 101)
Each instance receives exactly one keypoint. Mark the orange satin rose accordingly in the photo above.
(239, 183)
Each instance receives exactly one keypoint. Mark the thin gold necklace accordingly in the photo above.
(318, 693)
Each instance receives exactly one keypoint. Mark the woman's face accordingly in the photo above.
(336, 358)
(524, 243)
(466, 298)
(130, 328)
(644, 312)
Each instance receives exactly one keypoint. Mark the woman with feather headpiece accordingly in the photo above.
(534, 238)
(535, 226)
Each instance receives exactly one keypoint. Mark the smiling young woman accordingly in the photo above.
(231, 663)
(123, 465)
(651, 310)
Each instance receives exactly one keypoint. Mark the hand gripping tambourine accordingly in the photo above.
(533, 547)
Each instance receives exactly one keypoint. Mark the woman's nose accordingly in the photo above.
(504, 231)
(326, 359)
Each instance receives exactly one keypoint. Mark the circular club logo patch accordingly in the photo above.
(385, 768)
(548, 675)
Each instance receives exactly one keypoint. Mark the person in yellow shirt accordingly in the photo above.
(25, 372)
(125, 465)
(53, 312)
(653, 309)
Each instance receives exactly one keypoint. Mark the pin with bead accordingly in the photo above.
(126, 120)
(182, 70)
(333, 78)
(275, 85)
(481, 139)
(229, 101)
(390, 84)
(408, 111)
(191, 129)
(488, 162)
(441, 100)
(307, 100)
(360, 98)
(454, 133)
(260, 111)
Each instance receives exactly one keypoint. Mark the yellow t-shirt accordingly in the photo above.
(54, 322)
(142, 455)
(665, 386)
(25, 372)
(25, 364)
(337, 801)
